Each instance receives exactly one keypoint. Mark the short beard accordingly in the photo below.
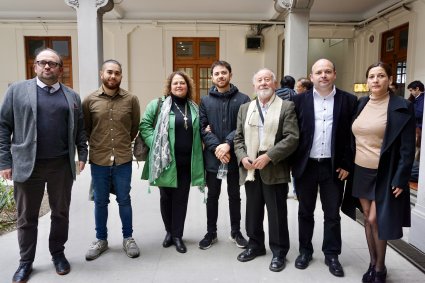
(116, 86)
(265, 94)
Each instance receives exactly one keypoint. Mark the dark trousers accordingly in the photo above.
(173, 202)
(274, 197)
(56, 173)
(233, 190)
(319, 175)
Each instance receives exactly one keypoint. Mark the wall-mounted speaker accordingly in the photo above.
(254, 42)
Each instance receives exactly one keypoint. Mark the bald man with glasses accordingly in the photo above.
(41, 125)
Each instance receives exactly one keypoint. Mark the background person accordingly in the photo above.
(303, 85)
(416, 89)
(41, 124)
(286, 90)
(175, 156)
(112, 118)
(384, 155)
(219, 110)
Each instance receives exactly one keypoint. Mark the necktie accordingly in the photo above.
(48, 89)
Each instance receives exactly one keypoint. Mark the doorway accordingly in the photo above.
(194, 55)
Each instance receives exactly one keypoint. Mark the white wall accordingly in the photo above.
(145, 50)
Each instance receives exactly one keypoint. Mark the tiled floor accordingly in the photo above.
(157, 264)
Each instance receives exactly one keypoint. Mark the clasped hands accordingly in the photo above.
(259, 163)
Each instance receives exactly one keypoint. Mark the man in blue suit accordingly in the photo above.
(324, 159)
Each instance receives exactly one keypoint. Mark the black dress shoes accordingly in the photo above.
(250, 254)
(22, 273)
(369, 276)
(277, 264)
(303, 260)
(381, 276)
(180, 246)
(168, 241)
(334, 266)
(61, 264)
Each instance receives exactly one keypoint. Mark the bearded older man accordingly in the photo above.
(266, 135)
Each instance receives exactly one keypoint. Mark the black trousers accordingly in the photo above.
(274, 197)
(173, 202)
(233, 191)
(319, 175)
(57, 174)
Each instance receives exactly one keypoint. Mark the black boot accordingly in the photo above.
(180, 246)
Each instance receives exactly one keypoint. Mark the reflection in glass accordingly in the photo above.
(404, 35)
(61, 46)
(34, 46)
(401, 72)
(204, 92)
(188, 71)
(207, 49)
(184, 49)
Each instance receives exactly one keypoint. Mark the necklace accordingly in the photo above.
(184, 115)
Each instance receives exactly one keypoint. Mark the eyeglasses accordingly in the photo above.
(254, 121)
(51, 64)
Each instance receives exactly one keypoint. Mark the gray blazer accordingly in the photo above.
(18, 129)
(286, 141)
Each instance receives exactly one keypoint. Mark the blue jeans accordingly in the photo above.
(103, 177)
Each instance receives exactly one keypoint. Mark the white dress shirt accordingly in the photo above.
(323, 120)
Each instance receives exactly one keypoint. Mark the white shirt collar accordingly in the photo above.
(332, 93)
(54, 86)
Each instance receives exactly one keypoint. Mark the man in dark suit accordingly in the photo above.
(266, 135)
(324, 159)
(41, 124)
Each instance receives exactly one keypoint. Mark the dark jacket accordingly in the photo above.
(341, 149)
(18, 129)
(285, 93)
(395, 165)
(419, 109)
(286, 141)
(220, 111)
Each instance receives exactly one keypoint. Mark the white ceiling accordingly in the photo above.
(192, 10)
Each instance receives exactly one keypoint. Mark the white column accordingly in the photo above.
(90, 40)
(296, 43)
(121, 48)
(417, 230)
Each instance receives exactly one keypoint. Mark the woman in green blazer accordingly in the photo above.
(175, 157)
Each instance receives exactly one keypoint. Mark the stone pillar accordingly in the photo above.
(417, 229)
(90, 40)
(296, 43)
(297, 17)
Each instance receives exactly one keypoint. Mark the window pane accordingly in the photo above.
(188, 71)
(204, 92)
(207, 49)
(184, 49)
(34, 46)
(404, 35)
(61, 46)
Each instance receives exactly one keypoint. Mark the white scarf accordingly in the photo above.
(251, 129)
